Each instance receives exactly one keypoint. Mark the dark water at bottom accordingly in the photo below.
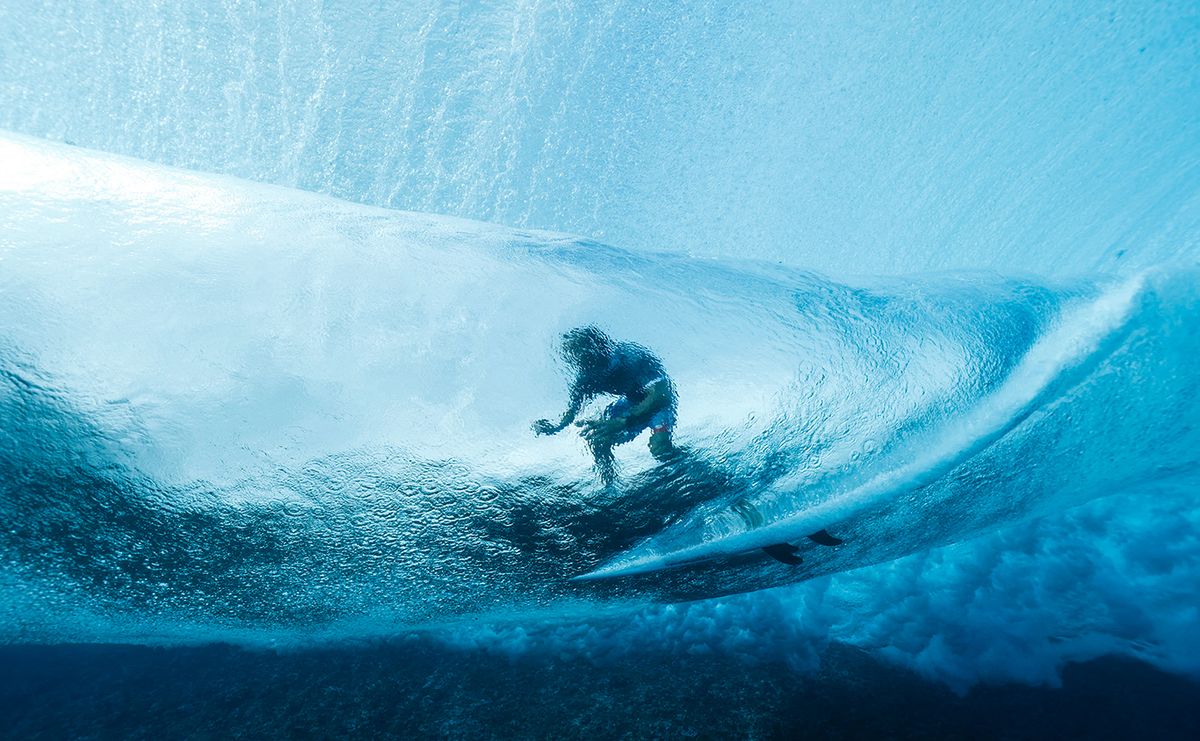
(413, 688)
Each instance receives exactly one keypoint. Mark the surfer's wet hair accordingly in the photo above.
(586, 343)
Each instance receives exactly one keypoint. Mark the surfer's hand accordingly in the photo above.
(545, 427)
(601, 430)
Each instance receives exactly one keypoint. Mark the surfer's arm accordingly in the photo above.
(546, 427)
(658, 395)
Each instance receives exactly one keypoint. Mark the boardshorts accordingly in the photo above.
(662, 421)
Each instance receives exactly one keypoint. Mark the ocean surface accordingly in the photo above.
(282, 287)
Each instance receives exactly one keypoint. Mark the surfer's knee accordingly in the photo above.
(661, 446)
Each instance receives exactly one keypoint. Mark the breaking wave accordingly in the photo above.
(239, 412)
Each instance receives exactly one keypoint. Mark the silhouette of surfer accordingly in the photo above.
(645, 397)
(645, 401)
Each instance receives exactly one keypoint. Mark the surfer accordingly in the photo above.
(646, 397)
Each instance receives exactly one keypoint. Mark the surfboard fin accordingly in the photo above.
(784, 553)
(822, 537)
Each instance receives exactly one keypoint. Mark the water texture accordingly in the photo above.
(280, 426)
(924, 277)
(879, 137)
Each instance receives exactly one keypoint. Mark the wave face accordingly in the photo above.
(208, 431)
(234, 410)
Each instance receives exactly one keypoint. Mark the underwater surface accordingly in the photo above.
(282, 287)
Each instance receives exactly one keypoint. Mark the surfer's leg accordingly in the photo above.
(661, 426)
(661, 446)
(605, 461)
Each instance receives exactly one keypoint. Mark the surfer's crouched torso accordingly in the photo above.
(632, 373)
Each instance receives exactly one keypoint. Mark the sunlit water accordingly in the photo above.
(921, 278)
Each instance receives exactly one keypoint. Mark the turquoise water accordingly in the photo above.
(926, 274)
(839, 136)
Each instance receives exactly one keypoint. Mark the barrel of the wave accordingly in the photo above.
(282, 410)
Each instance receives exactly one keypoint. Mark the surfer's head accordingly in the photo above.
(587, 346)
